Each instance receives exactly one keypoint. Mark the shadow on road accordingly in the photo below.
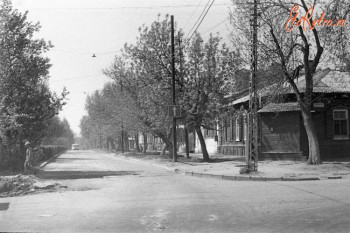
(64, 160)
(82, 174)
(4, 206)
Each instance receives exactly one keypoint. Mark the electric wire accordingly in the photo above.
(193, 13)
(201, 20)
(123, 7)
(194, 25)
(217, 25)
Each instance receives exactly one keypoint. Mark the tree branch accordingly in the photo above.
(284, 66)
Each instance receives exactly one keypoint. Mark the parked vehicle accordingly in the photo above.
(75, 147)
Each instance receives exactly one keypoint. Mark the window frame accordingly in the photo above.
(340, 137)
(238, 130)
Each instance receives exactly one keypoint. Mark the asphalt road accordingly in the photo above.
(106, 193)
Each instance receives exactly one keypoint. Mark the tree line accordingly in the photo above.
(209, 71)
(27, 106)
(139, 95)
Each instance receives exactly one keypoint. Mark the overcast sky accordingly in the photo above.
(80, 28)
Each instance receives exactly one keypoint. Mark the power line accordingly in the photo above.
(217, 25)
(193, 13)
(194, 25)
(124, 7)
(202, 19)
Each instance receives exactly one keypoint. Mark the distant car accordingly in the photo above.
(75, 147)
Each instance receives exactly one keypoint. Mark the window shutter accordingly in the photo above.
(241, 123)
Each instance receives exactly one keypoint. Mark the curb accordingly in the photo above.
(43, 164)
(255, 178)
(227, 177)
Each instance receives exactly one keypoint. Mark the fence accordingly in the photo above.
(13, 159)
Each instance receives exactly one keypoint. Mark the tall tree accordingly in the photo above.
(110, 109)
(293, 46)
(209, 68)
(144, 72)
(58, 133)
(27, 105)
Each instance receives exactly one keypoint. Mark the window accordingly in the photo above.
(229, 126)
(238, 129)
(225, 126)
(233, 128)
(245, 128)
(340, 120)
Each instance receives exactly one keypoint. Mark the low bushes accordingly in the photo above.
(44, 153)
(13, 160)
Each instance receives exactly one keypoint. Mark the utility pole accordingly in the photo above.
(173, 88)
(182, 80)
(121, 90)
(252, 155)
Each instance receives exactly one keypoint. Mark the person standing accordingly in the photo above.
(28, 167)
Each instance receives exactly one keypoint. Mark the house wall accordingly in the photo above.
(280, 132)
(280, 136)
(284, 133)
(330, 147)
(232, 136)
(153, 143)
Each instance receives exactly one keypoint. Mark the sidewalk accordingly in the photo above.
(228, 166)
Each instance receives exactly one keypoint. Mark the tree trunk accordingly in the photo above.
(314, 148)
(126, 145)
(122, 144)
(110, 141)
(162, 152)
(145, 144)
(167, 145)
(187, 143)
(101, 142)
(137, 144)
(202, 142)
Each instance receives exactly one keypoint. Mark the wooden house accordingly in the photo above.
(281, 131)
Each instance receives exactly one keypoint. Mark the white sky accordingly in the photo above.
(79, 28)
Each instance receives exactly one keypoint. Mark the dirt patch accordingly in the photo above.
(20, 185)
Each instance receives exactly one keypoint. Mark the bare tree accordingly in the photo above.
(294, 36)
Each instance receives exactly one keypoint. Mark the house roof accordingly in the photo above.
(280, 107)
(334, 82)
(325, 81)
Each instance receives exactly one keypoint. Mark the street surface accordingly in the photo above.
(107, 193)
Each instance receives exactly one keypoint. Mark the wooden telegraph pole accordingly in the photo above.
(121, 90)
(252, 155)
(173, 89)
